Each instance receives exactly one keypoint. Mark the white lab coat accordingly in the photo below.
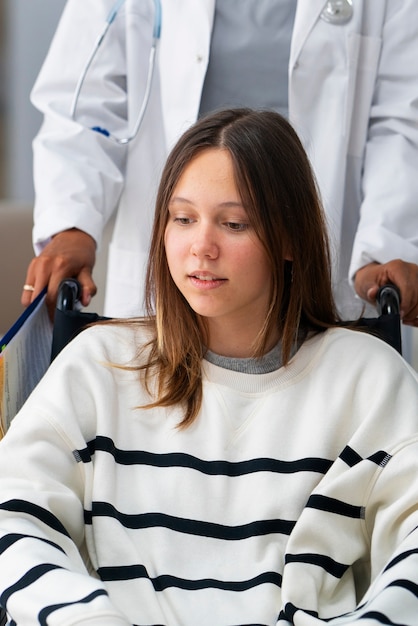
(353, 98)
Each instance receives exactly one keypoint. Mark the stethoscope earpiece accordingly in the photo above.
(337, 11)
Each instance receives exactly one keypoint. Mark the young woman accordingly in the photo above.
(231, 458)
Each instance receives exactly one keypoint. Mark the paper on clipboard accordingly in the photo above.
(25, 352)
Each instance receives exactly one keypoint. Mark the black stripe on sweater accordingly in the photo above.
(160, 583)
(408, 585)
(28, 579)
(47, 611)
(190, 526)
(381, 458)
(351, 457)
(289, 611)
(212, 468)
(9, 540)
(331, 505)
(41, 514)
(378, 617)
(401, 557)
(324, 562)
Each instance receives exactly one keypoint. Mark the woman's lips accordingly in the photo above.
(205, 281)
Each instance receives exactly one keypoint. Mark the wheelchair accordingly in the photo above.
(70, 319)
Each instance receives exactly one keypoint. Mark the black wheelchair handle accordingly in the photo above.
(69, 293)
(388, 300)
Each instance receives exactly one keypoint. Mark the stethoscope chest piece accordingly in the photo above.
(337, 11)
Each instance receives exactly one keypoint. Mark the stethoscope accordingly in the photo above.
(151, 65)
(337, 11)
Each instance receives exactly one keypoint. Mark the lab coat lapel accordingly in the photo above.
(183, 58)
(307, 12)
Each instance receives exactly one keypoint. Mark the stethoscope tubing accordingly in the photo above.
(151, 65)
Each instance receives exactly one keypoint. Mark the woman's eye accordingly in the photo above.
(182, 220)
(237, 226)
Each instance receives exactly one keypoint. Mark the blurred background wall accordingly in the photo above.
(26, 27)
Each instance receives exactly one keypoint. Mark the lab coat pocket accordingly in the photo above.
(363, 60)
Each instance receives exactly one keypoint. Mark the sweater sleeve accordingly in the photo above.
(46, 576)
(364, 568)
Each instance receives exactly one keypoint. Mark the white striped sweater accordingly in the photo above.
(293, 498)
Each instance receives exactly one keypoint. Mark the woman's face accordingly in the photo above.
(214, 255)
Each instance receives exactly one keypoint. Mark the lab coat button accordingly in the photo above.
(199, 58)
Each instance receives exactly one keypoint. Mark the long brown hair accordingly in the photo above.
(279, 193)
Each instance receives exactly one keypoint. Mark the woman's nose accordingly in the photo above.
(204, 243)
